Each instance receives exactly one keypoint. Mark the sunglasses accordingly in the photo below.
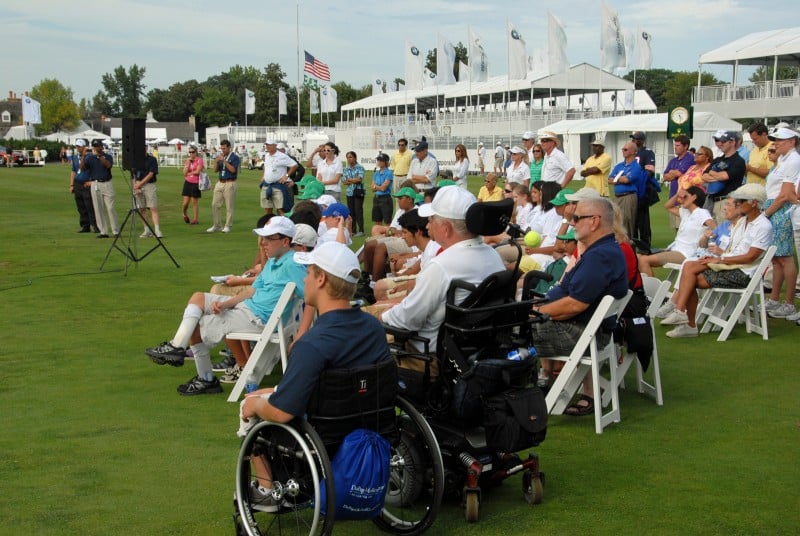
(509, 191)
(576, 218)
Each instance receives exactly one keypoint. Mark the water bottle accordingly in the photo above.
(521, 354)
(251, 384)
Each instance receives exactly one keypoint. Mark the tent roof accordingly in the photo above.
(758, 48)
(703, 121)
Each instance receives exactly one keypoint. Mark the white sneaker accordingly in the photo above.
(666, 309)
(226, 229)
(683, 331)
(212, 229)
(793, 318)
(782, 311)
(769, 305)
(676, 317)
(146, 234)
(159, 234)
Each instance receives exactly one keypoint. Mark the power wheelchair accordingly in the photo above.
(482, 406)
(299, 455)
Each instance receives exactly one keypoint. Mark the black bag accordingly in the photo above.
(299, 173)
(633, 328)
(489, 377)
(515, 419)
(651, 190)
(358, 190)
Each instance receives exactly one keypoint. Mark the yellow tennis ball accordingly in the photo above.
(533, 239)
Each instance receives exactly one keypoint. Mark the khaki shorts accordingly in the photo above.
(276, 201)
(214, 328)
(394, 244)
(148, 197)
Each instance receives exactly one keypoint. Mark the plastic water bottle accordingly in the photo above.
(251, 384)
(521, 354)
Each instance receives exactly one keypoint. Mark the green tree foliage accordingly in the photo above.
(764, 74)
(123, 92)
(669, 88)
(462, 55)
(175, 103)
(266, 90)
(59, 110)
(217, 107)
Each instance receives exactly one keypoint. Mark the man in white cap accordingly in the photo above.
(499, 157)
(597, 167)
(464, 256)
(528, 141)
(556, 167)
(481, 158)
(278, 169)
(750, 238)
(726, 174)
(208, 318)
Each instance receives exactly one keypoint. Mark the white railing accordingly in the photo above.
(781, 89)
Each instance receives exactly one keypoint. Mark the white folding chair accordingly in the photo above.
(577, 365)
(272, 342)
(720, 308)
(657, 291)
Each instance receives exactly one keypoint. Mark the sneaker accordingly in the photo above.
(358, 234)
(683, 331)
(199, 386)
(146, 234)
(189, 354)
(782, 311)
(226, 229)
(675, 317)
(212, 229)
(263, 501)
(224, 365)
(165, 353)
(769, 305)
(666, 309)
(231, 375)
(793, 317)
(159, 234)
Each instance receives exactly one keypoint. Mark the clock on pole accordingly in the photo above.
(680, 121)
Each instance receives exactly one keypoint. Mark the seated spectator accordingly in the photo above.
(554, 222)
(750, 238)
(490, 191)
(694, 221)
(386, 241)
(334, 220)
(208, 318)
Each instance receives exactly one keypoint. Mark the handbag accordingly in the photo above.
(358, 190)
(204, 183)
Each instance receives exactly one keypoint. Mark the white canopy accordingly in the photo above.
(176, 141)
(758, 49)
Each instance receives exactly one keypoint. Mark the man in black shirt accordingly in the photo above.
(647, 160)
(726, 174)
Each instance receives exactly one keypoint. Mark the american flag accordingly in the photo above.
(316, 68)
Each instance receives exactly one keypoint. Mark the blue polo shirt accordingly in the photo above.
(233, 159)
(270, 282)
(150, 164)
(80, 176)
(635, 173)
(380, 177)
(98, 172)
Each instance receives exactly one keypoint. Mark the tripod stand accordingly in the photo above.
(128, 246)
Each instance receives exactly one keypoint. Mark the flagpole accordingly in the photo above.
(297, 22)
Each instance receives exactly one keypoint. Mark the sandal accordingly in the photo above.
(578, 409)
(186, 218)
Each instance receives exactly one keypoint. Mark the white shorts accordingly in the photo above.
(214, 328)
(148, 197)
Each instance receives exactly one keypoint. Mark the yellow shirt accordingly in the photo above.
(760, 159)
(598, 181)
(400, 163)
(496, 195)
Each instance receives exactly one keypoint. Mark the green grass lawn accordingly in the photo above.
(95, 440)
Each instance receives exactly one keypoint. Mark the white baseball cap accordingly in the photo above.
(450, 202)
(326, 200)
(782, 133)
(334, 258)
(584, 194)
(277, 225)
(518, 150)
(528, 135)
(305, 235)
(80, 142)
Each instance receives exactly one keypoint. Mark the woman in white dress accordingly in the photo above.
(519, 172)
(461, 166)
(329, 171)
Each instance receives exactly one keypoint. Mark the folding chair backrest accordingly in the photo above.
(656, 291)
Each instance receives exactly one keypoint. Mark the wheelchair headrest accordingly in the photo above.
(489, 218)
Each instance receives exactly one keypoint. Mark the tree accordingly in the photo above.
(462, 55)
(266, 90)
(175, 103)
(654, 81)
(216, 107)
(234, 82)
(764, 74)
(124, 91)
(679, 89)
(59, 110)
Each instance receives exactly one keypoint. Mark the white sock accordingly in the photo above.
(191, 316)
(202, 361)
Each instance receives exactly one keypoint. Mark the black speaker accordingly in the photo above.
(133, 150)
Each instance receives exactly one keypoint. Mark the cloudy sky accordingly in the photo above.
(360, 40)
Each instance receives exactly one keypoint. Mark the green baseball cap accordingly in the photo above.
(569, 235)
(312, 190)
(446, 182)
(406, 192)
(306, 180)
(561, 197)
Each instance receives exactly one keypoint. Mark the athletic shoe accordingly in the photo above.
(224, 365)
(231, 375)
(212, 229)
(226, 229)
(666, 309)
(682, 331)
(675, 317)
(782, 311)
(358, 234)
(146, 234)
(770, 304)
(199, 386)
(261, 501)
(159, 234)
(165, 353)
(102, 235)
(793, 318)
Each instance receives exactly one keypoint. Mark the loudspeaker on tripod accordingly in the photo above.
(133, 149)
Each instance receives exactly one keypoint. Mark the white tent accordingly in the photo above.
(758, 49)
(578, 134)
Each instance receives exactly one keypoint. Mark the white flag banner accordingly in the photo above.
(463, 72)
(628, 102)
(377, 86)
(556, 45)
(478, 61)
(401, 87)
(612, 40)
(517, 55)
(415, 78)
(313, 101)
(249, 102)
(538, 62)
(332, 100)
(445, 61)
(31, 111)
(643, 42)
(282, 103)
(391, 87)
(429, 77)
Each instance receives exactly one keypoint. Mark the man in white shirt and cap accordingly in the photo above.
(557, 167)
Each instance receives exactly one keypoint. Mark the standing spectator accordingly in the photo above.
(499, 157)
(382, 189)
(316, 156)
(481, 158)
(743, 151)
(557, 167)
(191, 189)
(646, 159)
(278, 168)
(227, 165)
(62, 155)
(98, 163)
(675, 169)
(461, 166)
(519, 172)
(37, 155)
(424, 169)
(758, 164)
(597, 167)
(506, 160)
(81, 187)
(694, 175)
(329, 170)
(144, 190)
(726, 173)
(528, 141)
(400, 164)
(354, 180)
(537, 162)
(628, 179)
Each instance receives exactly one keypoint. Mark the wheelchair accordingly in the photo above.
(482, 406)
(299, 454)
